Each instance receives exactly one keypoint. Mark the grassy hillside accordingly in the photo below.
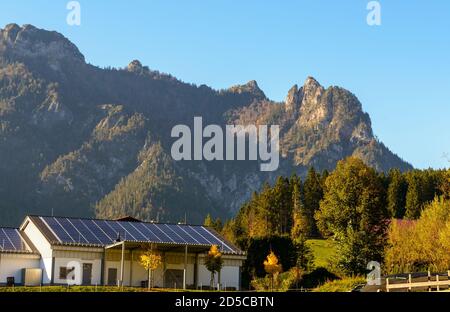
(323, 250)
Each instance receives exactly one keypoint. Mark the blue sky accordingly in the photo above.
(400, 70)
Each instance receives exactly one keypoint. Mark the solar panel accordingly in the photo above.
(188, 235)
(118, 230)
(76, 234)
(58, 230)
(146, 231)
(103, 226)
(168, 229)
(87, 233)
(96, 231)
(214, 240)
(137, 235)
(160, 233)
(10, 240)
(200, 238)
(105, 232)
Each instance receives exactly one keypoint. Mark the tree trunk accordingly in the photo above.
(271, 282)
(149, 278)
(211, 284)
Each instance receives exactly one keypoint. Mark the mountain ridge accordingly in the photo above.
(81, 140)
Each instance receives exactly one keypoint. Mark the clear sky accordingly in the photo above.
(399, 70)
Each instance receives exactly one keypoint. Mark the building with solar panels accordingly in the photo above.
(79, 251)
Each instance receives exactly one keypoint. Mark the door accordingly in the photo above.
(112, 277)
(173, 279)
(87, 274)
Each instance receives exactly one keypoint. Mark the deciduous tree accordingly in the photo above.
(354, 211)
(272, 267)
(213, 262)
(150, 260)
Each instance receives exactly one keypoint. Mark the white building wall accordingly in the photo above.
(140, 274)
(44, 248)
(11, 265)
(229, 277)
(189, 272)
(46, 265)
(77, 263)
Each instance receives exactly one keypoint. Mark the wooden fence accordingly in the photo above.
(433, 282)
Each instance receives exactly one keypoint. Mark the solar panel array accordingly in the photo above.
(10, 240)
(106, 232)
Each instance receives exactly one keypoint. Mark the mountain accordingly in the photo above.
(80, 140)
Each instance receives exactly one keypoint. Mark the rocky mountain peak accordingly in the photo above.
(293, 100)
(135, 66)
(27, 41)
(250, 87)
(313, 109)
(312, 89)
(10, 31)
(305, 98)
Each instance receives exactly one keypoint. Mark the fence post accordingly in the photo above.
(437, 280)
(409, 281)
(448, 274)
(387, 284)
(429, 280)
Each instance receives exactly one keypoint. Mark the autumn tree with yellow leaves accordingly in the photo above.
(272, 267)
(150, 260)
(213, 262)
(423, 244)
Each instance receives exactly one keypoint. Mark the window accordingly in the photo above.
(112, 276)
(64, 273)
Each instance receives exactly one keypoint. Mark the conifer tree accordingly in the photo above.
(414, 196)
(396, 194)
(313, 194)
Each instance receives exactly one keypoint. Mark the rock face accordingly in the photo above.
(79, 140)
(28, 41)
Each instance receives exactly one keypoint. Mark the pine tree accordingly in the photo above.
(218, 225)
(282, 214)
(414, 196)
(305, 257)
(396, 194)
(215, 224)
(265, 218)
(208, 221)
(313, 194)
(444, 185)
(300, 225)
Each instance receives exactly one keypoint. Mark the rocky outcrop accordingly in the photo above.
(28, 41)
(250, 87)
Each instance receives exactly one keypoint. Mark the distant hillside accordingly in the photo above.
(79, 140)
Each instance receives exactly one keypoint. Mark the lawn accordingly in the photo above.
(323, 250)
(343, 285)
(86, 289)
